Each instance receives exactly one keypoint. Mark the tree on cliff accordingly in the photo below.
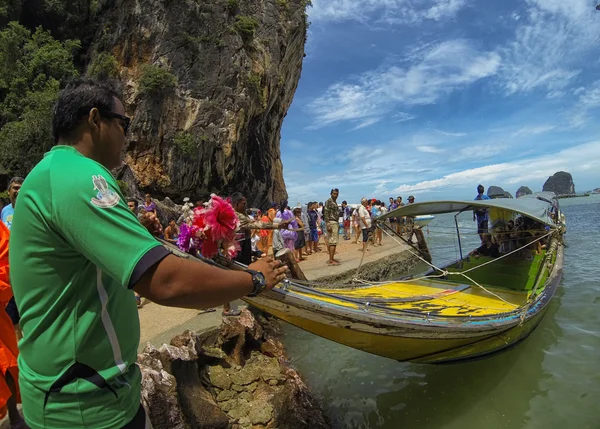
(32, 65)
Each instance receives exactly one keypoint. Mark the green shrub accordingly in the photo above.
(123, 187)
(255, 83)
(104, 66)
(283, 3)
(33, 66)
(233, 6)
(245, 26)
(186, 142)
(156, 81)
(4, 195)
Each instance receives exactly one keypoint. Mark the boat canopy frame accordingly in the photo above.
(536, 206)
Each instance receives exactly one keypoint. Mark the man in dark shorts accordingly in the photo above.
(480, 215)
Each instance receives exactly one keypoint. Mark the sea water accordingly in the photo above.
(551, 380)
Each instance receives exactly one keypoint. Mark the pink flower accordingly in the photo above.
(221, 219)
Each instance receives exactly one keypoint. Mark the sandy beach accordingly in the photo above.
(159, 324)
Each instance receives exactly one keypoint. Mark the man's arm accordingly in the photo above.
(179, 282)
(247, 223)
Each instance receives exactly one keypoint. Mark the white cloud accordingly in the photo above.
(402, 117)
(550, 39)
(366, 123)
(388, 11)
(442, 69)
(533, 130)
(429, 149)
(590, 98)
(521, 171)
(450, 133)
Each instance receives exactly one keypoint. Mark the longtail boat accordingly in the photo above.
(468, 309)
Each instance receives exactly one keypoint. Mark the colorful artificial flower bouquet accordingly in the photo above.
(212, 227)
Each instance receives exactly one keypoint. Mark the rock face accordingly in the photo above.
(498, 192)
(523, 190)
(237, 65)
(560, 183)
(234, 376)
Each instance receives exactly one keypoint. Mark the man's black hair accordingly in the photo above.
(75, 102)
(15, 180)
(480, 188)
(134, 201)
(335, 190)
(236, 197)
(344, 202)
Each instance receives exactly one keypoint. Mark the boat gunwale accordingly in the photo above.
(389, 317)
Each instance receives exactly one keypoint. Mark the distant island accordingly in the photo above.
(561, 183)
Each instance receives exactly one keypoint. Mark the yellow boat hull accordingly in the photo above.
(437, 326)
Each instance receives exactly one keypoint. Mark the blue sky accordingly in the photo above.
(431, 98)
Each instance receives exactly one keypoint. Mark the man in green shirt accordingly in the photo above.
(77, 253)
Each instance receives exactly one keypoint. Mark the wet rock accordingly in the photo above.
(159, 396)
(260, 413)
(219, 378)
(213, 352)
(195, 382)
(241, 409)
(226, 395)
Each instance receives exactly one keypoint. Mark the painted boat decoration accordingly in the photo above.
(465, 310)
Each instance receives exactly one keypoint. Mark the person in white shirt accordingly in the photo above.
(364, 220)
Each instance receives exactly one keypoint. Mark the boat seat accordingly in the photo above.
(510, 273)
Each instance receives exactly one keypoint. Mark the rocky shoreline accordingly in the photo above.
(232, 376)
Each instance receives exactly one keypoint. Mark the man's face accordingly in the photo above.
(131, 206)
(240, 207)
(13, 192)
(344, 205)
(334, 195)
(411, 200)
(172, 224)
(112, 137)
(391, 201)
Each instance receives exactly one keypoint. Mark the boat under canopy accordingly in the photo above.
(468, 309)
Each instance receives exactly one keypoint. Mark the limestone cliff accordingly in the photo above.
(560, 183)
(497, 192)
(236, 65)
(523, 190)
(207, 83)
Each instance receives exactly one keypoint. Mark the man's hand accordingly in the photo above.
(284, 224)
(151, 223)
(271, 269)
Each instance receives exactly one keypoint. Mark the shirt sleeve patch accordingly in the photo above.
(105, 197)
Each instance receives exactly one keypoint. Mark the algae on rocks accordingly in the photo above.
(247, 384)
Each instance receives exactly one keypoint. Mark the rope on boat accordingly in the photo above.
(461, 273)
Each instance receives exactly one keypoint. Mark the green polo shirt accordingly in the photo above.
(76, 250)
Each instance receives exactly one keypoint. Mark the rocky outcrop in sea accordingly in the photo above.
(561, 183)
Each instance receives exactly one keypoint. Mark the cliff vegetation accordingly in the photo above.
(207, 83)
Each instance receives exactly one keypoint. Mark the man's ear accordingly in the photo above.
(94, 120)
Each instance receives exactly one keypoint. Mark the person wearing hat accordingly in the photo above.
(331, 216)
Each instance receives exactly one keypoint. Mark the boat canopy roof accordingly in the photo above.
(535, 206)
